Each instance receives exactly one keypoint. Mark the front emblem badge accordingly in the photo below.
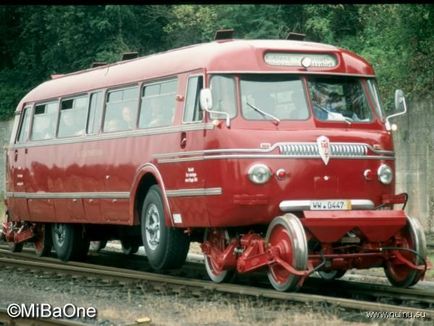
(324, 148)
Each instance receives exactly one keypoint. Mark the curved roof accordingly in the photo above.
(227, 55)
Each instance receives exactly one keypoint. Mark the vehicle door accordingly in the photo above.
(187, 190)
(16, 167)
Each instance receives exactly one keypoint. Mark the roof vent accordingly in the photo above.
(98, 64)
(295, 36)
(224, 34)
(55, 76)
(129, 55)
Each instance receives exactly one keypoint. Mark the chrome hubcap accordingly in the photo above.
(152, 226)
(59, 231)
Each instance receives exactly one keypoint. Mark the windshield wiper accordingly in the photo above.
(264, 114)
(336, 115)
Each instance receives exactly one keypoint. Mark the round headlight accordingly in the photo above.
(385, 174)
(259, 173)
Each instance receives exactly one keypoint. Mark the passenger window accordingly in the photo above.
(25, 126)
(73, 113)
(44, 121)
(158, 104)
(223, 96)
(192, 110)
(95, 107)
(121, 110)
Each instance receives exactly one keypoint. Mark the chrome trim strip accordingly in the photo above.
(339, 150)
(194, 192)
(262, 72)
(117, 135)
(247, 156)
(304, 205)
(69, 195)
(267, 150)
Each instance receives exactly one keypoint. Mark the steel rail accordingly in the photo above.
(341, 286)
(124, 275)
(313, 283)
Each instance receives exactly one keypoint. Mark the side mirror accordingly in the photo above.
(205, 99)
(400, 100)
(206, 105)
(400, 107)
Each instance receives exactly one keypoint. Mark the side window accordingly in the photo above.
(121, 110)
(95, 108)
(223, 96)
(158, 104)
(25, 126)
(192, 110)
(44, 121)
(73, 113)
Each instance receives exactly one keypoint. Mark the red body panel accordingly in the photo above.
(105, 170)
(376, 226)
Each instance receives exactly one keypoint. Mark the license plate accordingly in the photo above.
(330, 205)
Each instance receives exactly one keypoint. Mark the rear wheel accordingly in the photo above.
(287, 234)
(413, 238)
(219, 239)
(165, 247)
(43, 241)
(69, 242)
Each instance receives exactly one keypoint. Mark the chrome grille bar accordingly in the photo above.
(311, 149)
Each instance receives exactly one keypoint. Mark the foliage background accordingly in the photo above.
(37, 41)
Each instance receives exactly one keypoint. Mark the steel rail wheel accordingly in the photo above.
(287, 234)
(43, 240)
(331, 275)
(165, 247)
(219, 239)
(129, 248)
(414, 239)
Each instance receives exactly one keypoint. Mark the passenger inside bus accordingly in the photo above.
(127, 121)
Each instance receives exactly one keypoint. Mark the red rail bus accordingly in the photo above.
(274, 154)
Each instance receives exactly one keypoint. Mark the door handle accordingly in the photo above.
(183, 142)
(15, 155)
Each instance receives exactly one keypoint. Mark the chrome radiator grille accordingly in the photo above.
(311, 149)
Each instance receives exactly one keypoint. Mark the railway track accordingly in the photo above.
(398, 300)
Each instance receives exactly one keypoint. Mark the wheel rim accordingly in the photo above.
(281, 239)
(59, 234)
(219, 239)
(286, 233)
(152, 226)
(413, 238)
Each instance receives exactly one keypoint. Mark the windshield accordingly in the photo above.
(273, 97)
(339, 99)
